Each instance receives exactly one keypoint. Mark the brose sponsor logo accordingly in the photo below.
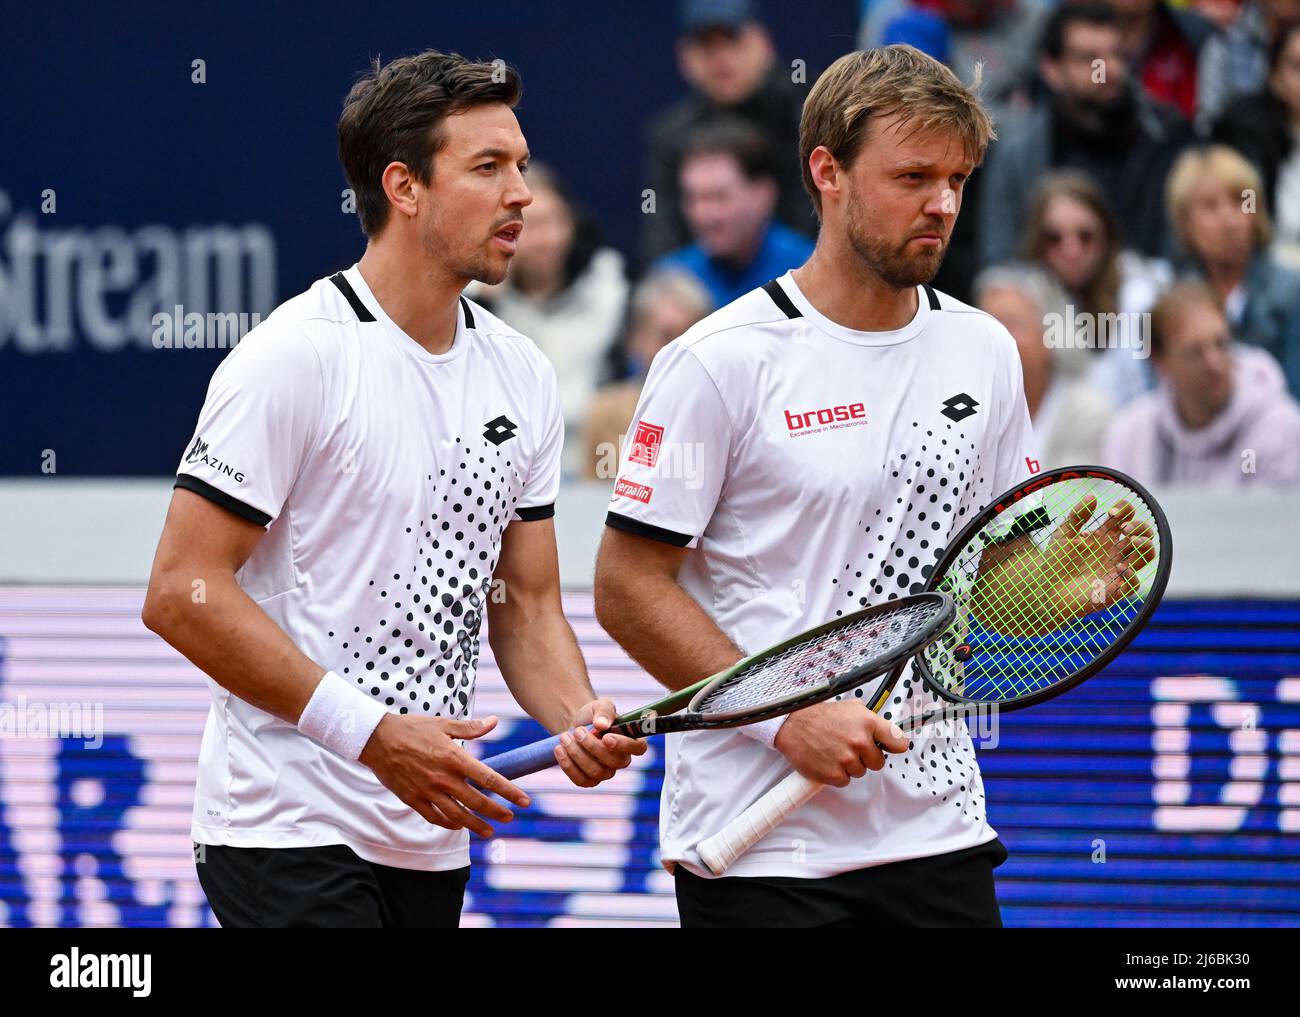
(846, 415)
(637, 492)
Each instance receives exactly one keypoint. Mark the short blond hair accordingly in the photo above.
(882, 82)
(1228, 168)
(1185, 297)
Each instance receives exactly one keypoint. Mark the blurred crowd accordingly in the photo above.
(1136, 226)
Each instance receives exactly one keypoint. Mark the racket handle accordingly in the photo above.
(756, 822)
(526, 759)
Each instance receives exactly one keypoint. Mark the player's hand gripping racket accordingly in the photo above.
(1051, 582)
(806, 669)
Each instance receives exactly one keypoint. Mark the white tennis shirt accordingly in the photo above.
(386, 476)
(814, 469)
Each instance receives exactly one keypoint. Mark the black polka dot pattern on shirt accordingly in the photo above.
(420, 654)
(946, 484)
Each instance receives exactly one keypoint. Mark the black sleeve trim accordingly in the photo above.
(629, 525)
(469, 315)
(345, 287)
(932, 297)
(535, 512)
(219, 497)
(781, 299)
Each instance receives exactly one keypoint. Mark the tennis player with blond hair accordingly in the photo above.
(840, 423)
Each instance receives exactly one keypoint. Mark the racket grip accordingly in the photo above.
(526, 759)
(756, 822)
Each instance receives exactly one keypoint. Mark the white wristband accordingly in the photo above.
(765, 730)
(341, 717)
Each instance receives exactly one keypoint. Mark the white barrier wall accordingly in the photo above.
(93, 532)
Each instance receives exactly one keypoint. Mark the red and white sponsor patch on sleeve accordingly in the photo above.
(645, 443)
(1032, 464)
(630, 489)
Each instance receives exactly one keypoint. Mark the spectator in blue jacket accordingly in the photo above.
(729, 194)
(727, 56)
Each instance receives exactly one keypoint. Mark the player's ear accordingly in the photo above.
(399, 187)
(825, 171)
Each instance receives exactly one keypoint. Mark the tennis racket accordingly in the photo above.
(1051, 582)
(805, 669)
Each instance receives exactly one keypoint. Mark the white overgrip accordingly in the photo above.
(756, 822)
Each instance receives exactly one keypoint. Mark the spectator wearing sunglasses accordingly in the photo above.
(1098, 120)
(1073, 237)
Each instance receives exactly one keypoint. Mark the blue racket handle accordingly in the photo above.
(526, 759)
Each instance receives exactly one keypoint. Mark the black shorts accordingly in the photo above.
(324, 887)
(943, 891)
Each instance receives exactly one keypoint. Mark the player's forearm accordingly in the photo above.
(662, 627)
(538, 655)
(228, 637)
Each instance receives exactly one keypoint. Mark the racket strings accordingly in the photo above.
(1017, 604)
(1051, 605)
(821, 661)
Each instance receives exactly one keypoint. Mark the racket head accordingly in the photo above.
(823, 662)
(1003, 657)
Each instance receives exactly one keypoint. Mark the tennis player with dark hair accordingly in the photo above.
(805, 451)
(374, 469)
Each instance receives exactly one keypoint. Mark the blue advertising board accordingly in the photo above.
(1164, 792)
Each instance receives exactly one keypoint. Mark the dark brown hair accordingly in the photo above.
(737, 139)
(394, 113)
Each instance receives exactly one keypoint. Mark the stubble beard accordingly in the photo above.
(895, 265)
(477, 266)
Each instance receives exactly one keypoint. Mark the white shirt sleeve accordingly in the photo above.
(257, 425)
(675, 460)
(543, 484)
(1017, 450)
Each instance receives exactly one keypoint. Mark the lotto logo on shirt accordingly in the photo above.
(645, 443)
(637, 492)
(829, 418)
